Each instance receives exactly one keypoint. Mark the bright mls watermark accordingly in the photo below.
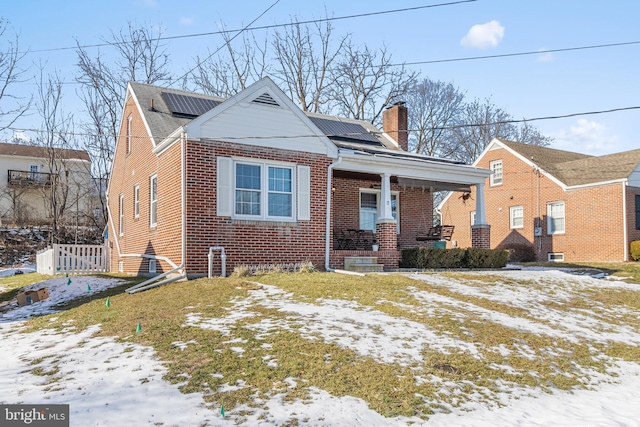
(34, 415)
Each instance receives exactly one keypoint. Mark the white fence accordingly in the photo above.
(75, 259)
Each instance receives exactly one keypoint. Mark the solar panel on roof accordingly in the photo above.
(345, 130)
(188, 106)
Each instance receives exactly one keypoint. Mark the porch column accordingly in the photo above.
(480, 230)
(386, 224)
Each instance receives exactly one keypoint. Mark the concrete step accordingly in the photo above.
(362, 264)
(367, 268)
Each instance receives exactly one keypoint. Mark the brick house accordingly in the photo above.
(566, 206)
(269, 183)
(28, 175)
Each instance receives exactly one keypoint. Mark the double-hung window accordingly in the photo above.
(121, 215)
(136, 201)
(264, 191)
(496, 168)
(516, 217)
(555, 218)
(153, 200)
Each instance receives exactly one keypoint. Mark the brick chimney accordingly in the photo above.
(394, 124)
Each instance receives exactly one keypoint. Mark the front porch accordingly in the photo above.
(387, 201)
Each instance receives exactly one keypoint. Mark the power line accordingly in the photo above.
(506, 55)
(234, 138)
(263, 27)
(223, 45)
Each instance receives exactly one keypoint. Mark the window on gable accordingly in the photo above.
(136, 201)
(129, 136)
(516, 217)
(264, 191)
(370, 209)
(121, 215)
(496, 168)
(555, 218)
(153, 200)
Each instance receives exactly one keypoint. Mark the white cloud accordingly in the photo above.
(185, 20)
(587, 137)
(19, 137)
(545, 56)
(482, 36)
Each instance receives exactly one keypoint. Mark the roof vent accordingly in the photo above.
(266, 99)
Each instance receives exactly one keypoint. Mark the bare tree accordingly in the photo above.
(366, 82)
(56, 134)
(304, 66)
(140, 57)
(433, 106)
(12, 106)
(225, 74)
(480, 122)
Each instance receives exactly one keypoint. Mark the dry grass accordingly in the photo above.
(239, 367)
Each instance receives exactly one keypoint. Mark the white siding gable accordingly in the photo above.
(246, 120)
(634, 178)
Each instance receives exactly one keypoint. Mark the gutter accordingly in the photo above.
(328, 239)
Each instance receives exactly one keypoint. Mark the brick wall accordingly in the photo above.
(250, 242)
(594, 218)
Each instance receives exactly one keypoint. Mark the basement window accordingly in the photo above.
(555, 257)
(152, 266)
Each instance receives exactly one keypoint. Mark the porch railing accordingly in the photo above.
(28, 178)
(75, 259)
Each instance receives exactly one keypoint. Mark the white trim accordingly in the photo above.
(152, 266)
(121, 215)
(549, 217)
(559, 255)
(472, 215)
(512, 217)
(153, 204)
(595, 184)
(625, 237)
(493, 182)
(129, 135)
(136, 201)
(264, 189)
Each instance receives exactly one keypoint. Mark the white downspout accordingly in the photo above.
(223, 261)
(328, 238)
(624, 222)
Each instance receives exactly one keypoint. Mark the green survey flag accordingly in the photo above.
(108, 303)
(69, 281)
(138, 328)
(222, 410)
(88, 288)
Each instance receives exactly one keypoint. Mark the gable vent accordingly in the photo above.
(266, 99)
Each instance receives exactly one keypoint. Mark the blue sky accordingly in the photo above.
(525, 86)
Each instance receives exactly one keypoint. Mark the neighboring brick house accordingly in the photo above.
(566, 206)
(269, 183)
(28, 175)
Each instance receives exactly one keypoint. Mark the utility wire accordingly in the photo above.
(223, 45)
(506, 55)
(264, 27)
(233, 138)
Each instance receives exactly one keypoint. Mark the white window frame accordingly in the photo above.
(121, 215)
(129, 130)
(550, 218)
(136, 201)
(264, 190)
(555, 257)
(378, 194)
(496, 178)
(473, 218)
(153, 202)
(152, 265)
(512, 217)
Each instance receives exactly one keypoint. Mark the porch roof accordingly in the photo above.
(413, 170)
